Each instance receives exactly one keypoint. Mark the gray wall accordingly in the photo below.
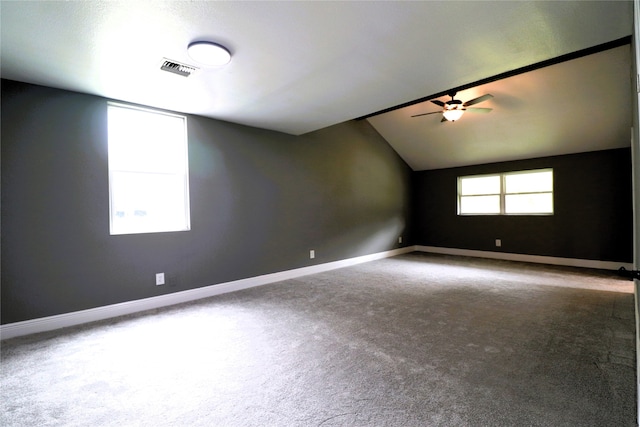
(592, 219)
(260, 200)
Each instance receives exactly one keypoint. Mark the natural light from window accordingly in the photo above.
(529, 192)
(148, 171)
(513, 193)
(480, 195)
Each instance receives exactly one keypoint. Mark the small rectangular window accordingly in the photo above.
(148, 171)
(512, 193)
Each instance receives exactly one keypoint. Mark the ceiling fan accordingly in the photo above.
(454, 109)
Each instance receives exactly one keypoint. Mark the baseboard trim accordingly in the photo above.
(43, 324)
(538, 259)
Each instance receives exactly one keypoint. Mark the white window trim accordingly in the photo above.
(503, 193)
(187, 208)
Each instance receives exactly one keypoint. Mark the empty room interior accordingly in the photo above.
(319, 213)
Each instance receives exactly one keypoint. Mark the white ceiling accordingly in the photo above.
(303, 66)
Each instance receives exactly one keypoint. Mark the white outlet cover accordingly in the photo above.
(160, 279)
(312, 254)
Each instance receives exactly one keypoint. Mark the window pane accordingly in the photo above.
(480, 205)
(529, 182)
(145, 141)
(144, 203)
(535, 203)
(480, 185)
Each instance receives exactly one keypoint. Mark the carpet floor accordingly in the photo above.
(414, 340)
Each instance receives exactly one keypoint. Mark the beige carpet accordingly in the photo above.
(415, 340)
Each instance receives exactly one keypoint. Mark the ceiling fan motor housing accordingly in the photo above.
(454, 104)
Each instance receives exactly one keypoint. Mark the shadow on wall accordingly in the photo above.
(260, 201)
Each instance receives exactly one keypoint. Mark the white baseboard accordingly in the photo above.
(49, 323)
(569, 262)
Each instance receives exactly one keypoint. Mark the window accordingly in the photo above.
(148, 171)
(513, 193)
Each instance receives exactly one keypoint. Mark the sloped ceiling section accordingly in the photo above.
(575, 106)
(297, 66)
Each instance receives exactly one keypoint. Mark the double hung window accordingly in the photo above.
(512, 193)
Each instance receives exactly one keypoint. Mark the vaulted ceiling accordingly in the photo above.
(575, 106)
(302, 66)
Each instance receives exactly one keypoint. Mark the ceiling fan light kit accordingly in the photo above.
(453, 114)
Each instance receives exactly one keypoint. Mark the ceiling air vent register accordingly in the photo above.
(177, 67)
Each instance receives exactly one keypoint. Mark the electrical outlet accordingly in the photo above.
(498, 243)
(312, 254)
(159, 279)
(400, 239)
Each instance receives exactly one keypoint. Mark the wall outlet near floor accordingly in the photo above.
(159, 279)
(312, 254)
(498, 242)
(400, 239)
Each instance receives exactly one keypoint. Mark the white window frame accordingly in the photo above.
(502, 195)
(180, 176)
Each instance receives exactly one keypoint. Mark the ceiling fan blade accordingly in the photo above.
(478, 110)
(437, 102)
(477, 100)
(426, 114)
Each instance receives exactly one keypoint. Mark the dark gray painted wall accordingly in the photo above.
(260, 200)
(592, 220)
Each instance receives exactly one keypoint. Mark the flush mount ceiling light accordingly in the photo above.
(209, 53)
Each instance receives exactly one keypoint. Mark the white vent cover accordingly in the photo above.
(177, 67)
